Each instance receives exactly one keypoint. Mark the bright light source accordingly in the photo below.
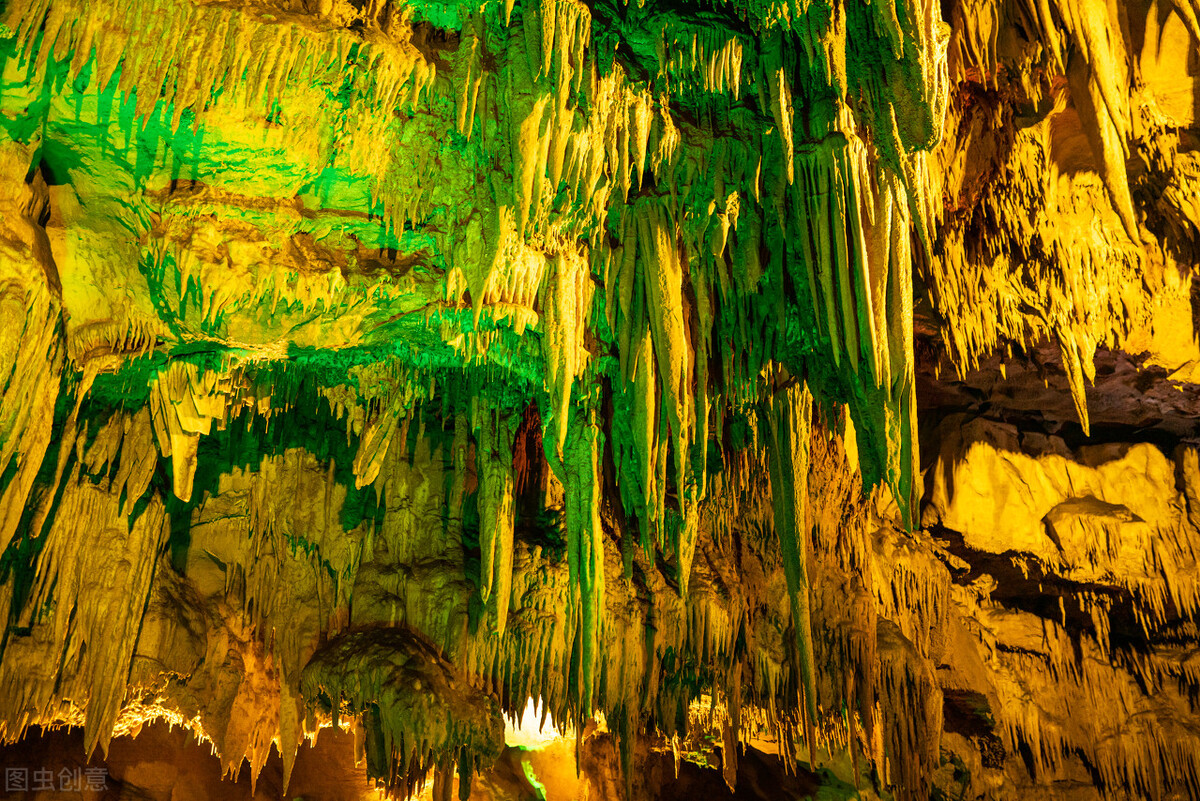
(528, 732)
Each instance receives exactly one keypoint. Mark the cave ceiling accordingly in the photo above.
(711, 373)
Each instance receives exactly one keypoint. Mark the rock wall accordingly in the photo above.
(809, 379)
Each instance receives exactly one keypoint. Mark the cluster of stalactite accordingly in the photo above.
(405, 364)
(720, 243)
(458, 573)
(1069, 209)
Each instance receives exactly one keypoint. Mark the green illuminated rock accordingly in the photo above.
(407, 361)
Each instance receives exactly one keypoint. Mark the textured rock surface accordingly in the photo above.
(393, 364)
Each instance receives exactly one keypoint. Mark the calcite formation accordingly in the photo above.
(809, 377)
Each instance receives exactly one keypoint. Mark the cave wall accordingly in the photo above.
(813, 377)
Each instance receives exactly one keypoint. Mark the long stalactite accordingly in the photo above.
(695, 368)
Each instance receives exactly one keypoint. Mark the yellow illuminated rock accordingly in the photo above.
(791, 399)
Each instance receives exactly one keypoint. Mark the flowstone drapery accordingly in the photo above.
(394, 364)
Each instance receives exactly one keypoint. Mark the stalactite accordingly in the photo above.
(414, 706)
(788, 419)
(570, 302)
(608, 397)
(585, 553)
(31, 353)
(99, 576)
(493, 450)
